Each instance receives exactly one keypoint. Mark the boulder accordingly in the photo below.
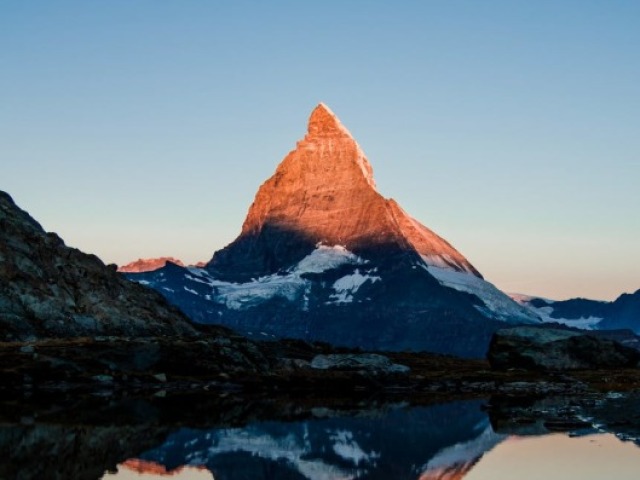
(371, 362)
(555, 349)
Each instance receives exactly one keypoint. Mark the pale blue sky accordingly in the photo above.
(144, 128)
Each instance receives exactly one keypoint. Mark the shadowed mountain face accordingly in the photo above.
(50, 290)
(323, 256)
(395, 307)
(624, 313)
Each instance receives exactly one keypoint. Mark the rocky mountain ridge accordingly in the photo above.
(622, 313)
(50, 290)
(150, 264)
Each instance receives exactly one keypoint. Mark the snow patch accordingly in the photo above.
(347, 286)
(498, 304)
(288, 448)
(325, 258)
(584, 323)
(443, 261)
(347, 448)
(290, 285)
(545, 313)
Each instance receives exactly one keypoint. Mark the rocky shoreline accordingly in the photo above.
(120, 365)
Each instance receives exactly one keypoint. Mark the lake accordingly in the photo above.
(258, 439)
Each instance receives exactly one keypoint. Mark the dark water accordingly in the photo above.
(235, 438)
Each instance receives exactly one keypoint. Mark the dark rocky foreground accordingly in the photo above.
(123, 366)
(550, 348)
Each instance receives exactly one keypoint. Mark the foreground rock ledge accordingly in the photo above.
(554, 349)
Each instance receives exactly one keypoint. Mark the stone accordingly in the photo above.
(361, 361)
(556, 349)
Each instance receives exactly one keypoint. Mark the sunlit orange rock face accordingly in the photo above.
(148, 264)
(152, 468)
(323, 191)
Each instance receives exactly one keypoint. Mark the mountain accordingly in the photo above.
(324, 192)
(151, 264)
(50, 290)
(323, 256)
(148, 264)
(622, 313)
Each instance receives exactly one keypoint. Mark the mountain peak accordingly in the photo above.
(148, 264)
(324, 122)
(323, 192)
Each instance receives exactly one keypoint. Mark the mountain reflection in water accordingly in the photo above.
(444, 442)
(411, 443)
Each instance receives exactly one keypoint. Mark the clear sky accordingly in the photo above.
(144, 128)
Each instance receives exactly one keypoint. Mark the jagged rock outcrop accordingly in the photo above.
(50, 290)
(324, 192)
(148, 264)
(545, 348)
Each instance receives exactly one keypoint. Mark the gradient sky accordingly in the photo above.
(511, 128)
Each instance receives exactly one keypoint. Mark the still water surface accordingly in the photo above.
(444, 442)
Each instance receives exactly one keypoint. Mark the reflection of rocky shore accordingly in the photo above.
(63, 452)
(615, 413)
